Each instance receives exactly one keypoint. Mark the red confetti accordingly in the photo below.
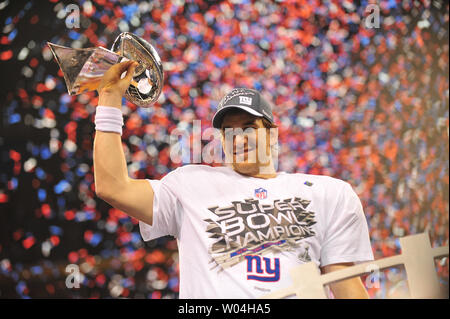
(46, 210)
(71, 130)
(69, 214)
(17, 168)
(155, 257)
(125, 292)
(83, 253)
(104, 19)
(4, 40)
(116, 214)
(50, 289)
(28, 242)
(41, 88)
(22, 94)
(73, 257)
(100, 279)
(37, 101)
(88, 235)
(17, 234)
(34, 19)
(49, 114)
(15, 156)
(3, 198)
(54, 240)
(138, 265)
(6, 55)
(34, 62)
(156, 295)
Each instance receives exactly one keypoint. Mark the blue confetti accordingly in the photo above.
(12, 35)
(45, 152)
(61, 186)
(96, 239)
(40, 173)
(42, 194)
(21, 286)
(173, 282)
(37, 270)
(129, 11)
(61, 202)
(63, 109)
(14, 183)
(74, 35)
(14, 118)
(56, 230)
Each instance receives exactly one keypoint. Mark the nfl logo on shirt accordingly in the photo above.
(261, 193)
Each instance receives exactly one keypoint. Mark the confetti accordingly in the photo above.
(366, 105)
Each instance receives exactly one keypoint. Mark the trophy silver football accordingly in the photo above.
(83, 69)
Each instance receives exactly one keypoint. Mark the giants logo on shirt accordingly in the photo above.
(263, 269)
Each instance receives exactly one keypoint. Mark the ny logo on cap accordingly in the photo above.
(245, 100)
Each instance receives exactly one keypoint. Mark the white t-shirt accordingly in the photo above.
(239, 236)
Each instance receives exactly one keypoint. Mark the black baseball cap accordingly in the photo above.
(248, 100)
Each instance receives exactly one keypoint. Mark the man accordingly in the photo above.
(239, 229)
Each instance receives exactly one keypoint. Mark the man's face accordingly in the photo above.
(246, 142)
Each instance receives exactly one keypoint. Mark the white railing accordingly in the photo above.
(417, 256)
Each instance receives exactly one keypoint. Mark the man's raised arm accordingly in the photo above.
(112, 183)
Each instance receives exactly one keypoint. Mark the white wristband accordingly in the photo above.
(108, 119)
